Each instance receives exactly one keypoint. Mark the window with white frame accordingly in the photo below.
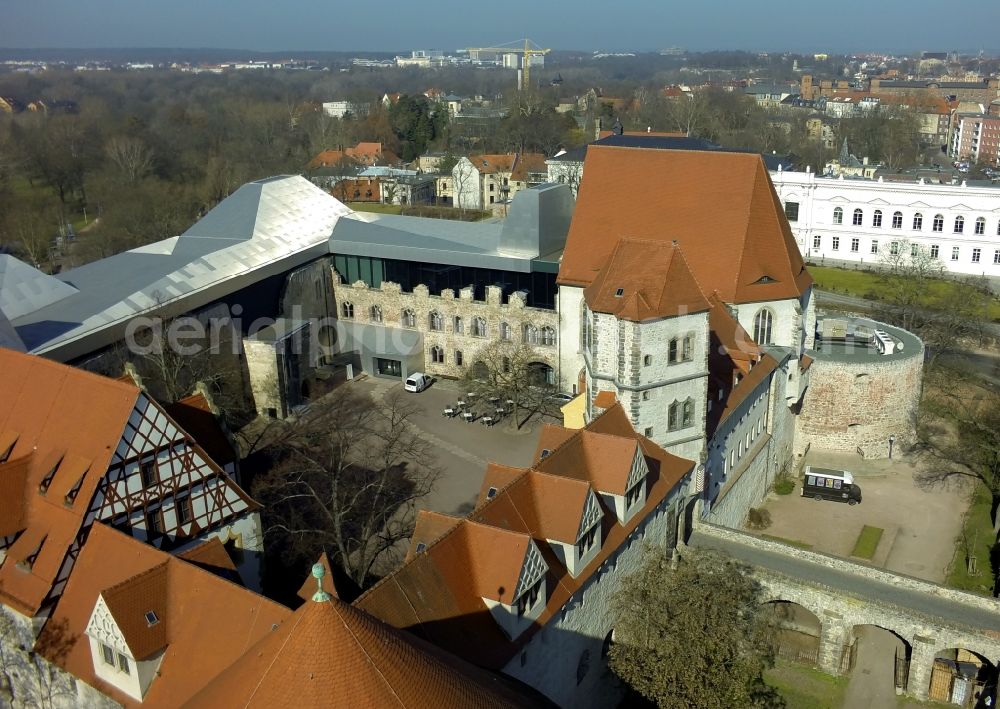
(877, 218)
(894, 248)
(935, 249)
(897, 220)
(959, 225)
(817, 240)
(980, 225)
(914, 250)
(938, 224)
(792, 211)
(836, 243)
(859, 217)
(996, 256)
(874, 246)
(954, 253)
(855, 244)
(976, 253)
(838, 216)
(762, 327)
(918, 221)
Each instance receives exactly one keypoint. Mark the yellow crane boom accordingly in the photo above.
(526, 52)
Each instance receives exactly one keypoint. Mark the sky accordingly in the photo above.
(640, 25)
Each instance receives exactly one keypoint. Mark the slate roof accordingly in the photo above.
(719, 207)
(667, 141)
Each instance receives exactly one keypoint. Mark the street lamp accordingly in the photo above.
(892, 439)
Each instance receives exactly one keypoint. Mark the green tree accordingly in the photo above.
(692, 634)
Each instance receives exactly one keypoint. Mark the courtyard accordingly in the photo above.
(919, 527)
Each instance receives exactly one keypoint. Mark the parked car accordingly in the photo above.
(562, 397)
(418, 381)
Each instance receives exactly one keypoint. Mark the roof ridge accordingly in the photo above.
(679, 251)
(357, 641)
(114, 588)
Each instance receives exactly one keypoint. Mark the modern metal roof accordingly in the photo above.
(24, 288)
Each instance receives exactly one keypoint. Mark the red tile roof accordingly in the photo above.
(437, 594)
(643, 280)
(488, 164)
(528, 163)
(332, 654)
(205, 622)
(719, 207)
(605, 399)
(194, 414)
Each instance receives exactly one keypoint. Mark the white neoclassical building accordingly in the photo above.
(860, 220)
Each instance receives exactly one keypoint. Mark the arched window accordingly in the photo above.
(859, 217)
(459, 325)
(347, 310)
(409, 318)
(980, 225)
(548, 336)
(530, 334)
(687, 348)
(918, 221)
(672, 351)
(762, 327)
(375, 313)
(673, 416)
(838, 216)
(436, 321)
(479, 327)
(897, 220)
(505, 332)
(437, 355)
(688, 419)
(959, 225)
(877, 218)
(938, 224)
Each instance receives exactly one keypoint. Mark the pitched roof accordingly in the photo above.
(332, 654)
(528, 163)
(194, 414)
(542, 505)
(436, 594)
(212, 556)
(600, 459)
(487, 164)
(643, 280)
(720, 207)
(204, 622)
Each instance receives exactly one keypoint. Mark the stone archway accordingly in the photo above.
(797, 631)
(541, 373)
(878, 660)
(963, 677)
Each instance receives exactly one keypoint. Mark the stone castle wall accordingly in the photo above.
(393, 302)
(855, 405)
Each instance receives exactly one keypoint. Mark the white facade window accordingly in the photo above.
(838, 216)
(877, 218)
(108, 655)
(855, 244)
(816, 242)
(996, 256)
(959, 225)
(859, 217)
(976, 254)
(894, 248)
(914, 250)
(918, 221)
(897, 220)
(792, 211)
(123, 664)
(980, 226)
(874, 246)
(954, 253)
(938, 223)
(762, 327)
(934, 250)
(836, 243)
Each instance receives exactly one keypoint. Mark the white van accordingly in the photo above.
(418, 381)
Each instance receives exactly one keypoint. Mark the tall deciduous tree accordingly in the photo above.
(692, 634)
(513, 373)
(349, 475)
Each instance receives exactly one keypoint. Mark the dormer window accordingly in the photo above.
(586, 542)
(529, 599)
(633, 494)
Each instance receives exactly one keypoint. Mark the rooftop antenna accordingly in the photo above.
(320, 596)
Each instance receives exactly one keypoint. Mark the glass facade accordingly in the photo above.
(541, 287)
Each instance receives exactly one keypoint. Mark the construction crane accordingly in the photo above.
(528, 50)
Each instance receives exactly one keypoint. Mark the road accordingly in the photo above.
(858, 585)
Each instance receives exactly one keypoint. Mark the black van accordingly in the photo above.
(827, 484)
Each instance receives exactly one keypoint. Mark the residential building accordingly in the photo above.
(982, 91)
(364, 154)
(479, 181)
(976, 138)
(340, 109)
(862, 220)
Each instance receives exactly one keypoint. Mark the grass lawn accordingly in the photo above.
(863, 284)
(867, 542)
(805, 687)
(976, 539)
(376, 207)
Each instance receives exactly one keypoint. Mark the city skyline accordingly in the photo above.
(310, 25)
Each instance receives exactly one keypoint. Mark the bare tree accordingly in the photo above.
(514, 373)
(689, 114)
(347, 480)
(133, 157)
